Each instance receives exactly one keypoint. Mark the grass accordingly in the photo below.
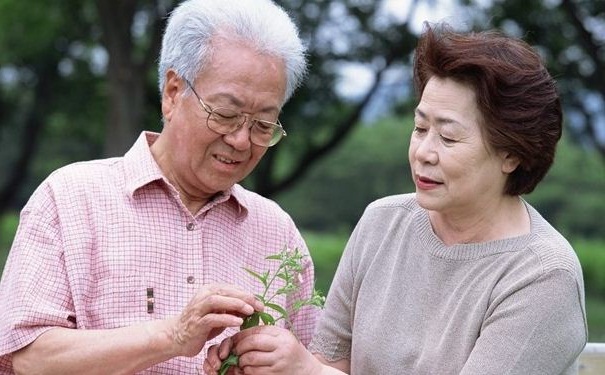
(592, 257)
(595, 314)
(326, 250)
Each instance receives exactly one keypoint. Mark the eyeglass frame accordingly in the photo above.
(277, 126)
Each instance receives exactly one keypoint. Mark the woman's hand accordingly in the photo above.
(216, 355)
(271, 350)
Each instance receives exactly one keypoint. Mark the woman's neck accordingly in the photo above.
(506, 218)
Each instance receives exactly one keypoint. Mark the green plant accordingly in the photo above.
(288, 271)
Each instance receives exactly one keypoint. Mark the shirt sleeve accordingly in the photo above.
(34, 291)
(538, 329)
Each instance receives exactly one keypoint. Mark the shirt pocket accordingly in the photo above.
(117, 301)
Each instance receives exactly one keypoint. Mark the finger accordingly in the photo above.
(256, 359)
(218, 321)
(225, 348)
(208, 368)
(235, 292)
(257, 370)
(212, 358)
(267, 330)
(218, 304)
(257, 343)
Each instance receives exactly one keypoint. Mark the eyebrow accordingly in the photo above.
(440, 120)
(237, 102)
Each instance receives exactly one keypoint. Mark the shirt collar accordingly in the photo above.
(141, 169)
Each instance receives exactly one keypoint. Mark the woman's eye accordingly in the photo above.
(448, 140)
(418, 129)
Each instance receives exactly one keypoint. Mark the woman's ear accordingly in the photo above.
(509, 162)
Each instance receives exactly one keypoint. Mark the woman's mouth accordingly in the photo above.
(426, 183)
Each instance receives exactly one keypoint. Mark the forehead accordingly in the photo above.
(235, 60)
(445, 100)
(237, 74)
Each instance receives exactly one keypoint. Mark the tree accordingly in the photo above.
(85, 68)
(120, 97)
(571, 38)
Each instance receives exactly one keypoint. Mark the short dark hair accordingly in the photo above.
(517, 97)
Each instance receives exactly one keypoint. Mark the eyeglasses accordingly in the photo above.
(226, 120)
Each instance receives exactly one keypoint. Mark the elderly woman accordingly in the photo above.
(464, 276)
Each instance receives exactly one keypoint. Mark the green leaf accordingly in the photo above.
(274, 257)
(287, 290)
(262, 278)
(232, 360)
(250, 321)
(267, 319)
(277, 308)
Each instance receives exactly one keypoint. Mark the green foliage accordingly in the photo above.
(595, 314)
(325, 249)
(572, 53)
(371, 163)
(592, 257)
(37, 23)
(571, 195)
(8, 227)
(289, 268)
(232, 360)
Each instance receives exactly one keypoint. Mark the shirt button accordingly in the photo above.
(190, 226)
(190, 280)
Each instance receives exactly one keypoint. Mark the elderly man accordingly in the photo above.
(134, 264)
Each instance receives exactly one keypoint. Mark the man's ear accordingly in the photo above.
(170, 92)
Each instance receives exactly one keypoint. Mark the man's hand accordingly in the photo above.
(213, 308)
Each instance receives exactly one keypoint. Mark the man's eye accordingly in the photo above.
(263, 127)
(225, 115)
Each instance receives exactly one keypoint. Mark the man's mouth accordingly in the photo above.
(225, 160)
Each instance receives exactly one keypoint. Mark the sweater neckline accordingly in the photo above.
(469, 251)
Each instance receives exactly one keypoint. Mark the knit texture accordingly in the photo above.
(402, 302)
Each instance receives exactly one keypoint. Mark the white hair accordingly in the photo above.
(263, 25)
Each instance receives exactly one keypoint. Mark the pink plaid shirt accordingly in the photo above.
(95, 236)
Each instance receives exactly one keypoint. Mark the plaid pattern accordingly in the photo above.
(95, 236)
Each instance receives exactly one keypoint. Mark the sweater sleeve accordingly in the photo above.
(538, 329)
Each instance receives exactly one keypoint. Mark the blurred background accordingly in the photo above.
(78, 82)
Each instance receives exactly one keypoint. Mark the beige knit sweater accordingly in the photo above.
(402, 302)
